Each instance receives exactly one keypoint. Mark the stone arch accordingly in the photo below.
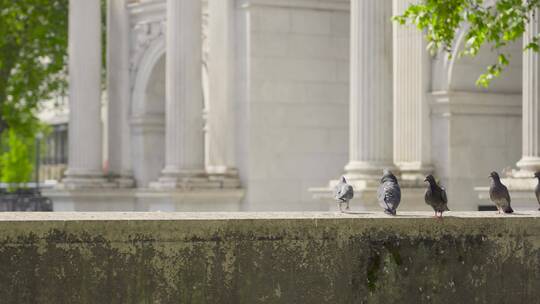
(148, 115)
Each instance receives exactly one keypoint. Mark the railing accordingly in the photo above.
(27, 199)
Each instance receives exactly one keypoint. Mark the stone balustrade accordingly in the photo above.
(269, 257)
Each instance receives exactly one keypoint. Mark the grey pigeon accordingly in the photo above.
(343, 193)
(498, 193)
(389, 193)
(435, 196)
(537, 189)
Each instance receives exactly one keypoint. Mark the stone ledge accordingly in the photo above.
(231, 216)
(285, 257)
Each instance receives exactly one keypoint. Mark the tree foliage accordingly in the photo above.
(496, 23)
(33, 52)
(16, 162)
(33, 66)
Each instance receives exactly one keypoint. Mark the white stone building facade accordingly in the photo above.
(261, 104)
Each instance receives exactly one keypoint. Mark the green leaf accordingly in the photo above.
(495, 25)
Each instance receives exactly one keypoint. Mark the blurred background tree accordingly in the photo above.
(33, 69)
(15, 163)
(495, 23)
(33, 55)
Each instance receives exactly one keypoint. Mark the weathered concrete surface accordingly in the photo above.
(269, 258)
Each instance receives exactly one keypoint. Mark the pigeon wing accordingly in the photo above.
(427, 196)
(499, 195)
(443, 196)
(389, 195)
(381, 196)
(537, 193)
(348, 192)
(492, 193)
(444, 199)
(506, 194)
(338, 189)
(393, 196)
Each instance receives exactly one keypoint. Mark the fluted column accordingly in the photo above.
(530, 160)
(411, 109)
(184, 140)
(370, 89)
(221, 130)
(120, 166)
(85, 127)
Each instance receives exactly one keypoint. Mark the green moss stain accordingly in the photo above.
(287, 261)
(373, 268)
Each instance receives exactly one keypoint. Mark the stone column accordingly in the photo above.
(221, 127)
(184, 140)
(120, 167)
(370, 90)
(530, 160)
(85, 127)
(412, 153)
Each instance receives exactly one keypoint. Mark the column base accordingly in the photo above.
(227, 176)
(528, 165)
(195, 179)
(126, 181)
(414, 173)
(184, 183)
(227, 181)
(85, 181)
(221, 170)
(200, 182)
(368, 171)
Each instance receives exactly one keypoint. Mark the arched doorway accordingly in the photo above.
(148, 118)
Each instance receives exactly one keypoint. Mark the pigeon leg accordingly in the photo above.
(340, 207)
(347, 206)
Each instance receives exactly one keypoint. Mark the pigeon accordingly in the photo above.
(343, 193)
(498, 193)
(436, 196)
(537, 189)
(389, 193)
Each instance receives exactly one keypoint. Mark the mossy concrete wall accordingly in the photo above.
(269, 258)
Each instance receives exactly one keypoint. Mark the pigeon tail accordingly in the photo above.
(390, 212)
(508, 210)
